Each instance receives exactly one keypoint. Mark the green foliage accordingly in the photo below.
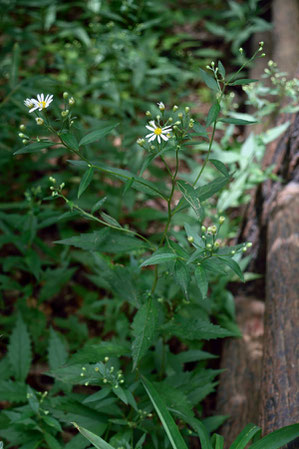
(116, 256)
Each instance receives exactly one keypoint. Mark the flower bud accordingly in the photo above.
(71, 101)
(21, 135)
(106, 359)
(221, 219)
(214, 229)
(140, 142)
(22, 127)
(233, 252)
(175, 108)
(187, 109)
(203, 228)
(65, 95)
(209, 246)
(39, 121)
(190, 239)
(161, 106)
(241, 50)
(24, 141)
(148, 113)
(244, 249)
(180, 115)
(65, 113)
(249, 244)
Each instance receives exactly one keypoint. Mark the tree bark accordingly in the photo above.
(264, 389)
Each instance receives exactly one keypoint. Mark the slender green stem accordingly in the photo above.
(92, 217)
(208, 155)
(173, 182)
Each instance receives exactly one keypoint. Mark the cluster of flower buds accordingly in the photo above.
(108, 373)
(56, 188)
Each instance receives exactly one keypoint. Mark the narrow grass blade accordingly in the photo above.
(96, 441)
(167, 420)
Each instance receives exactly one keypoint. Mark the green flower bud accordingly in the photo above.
(190, 239)
(148, 113)
(71, 101)
(22, 127)
(65, 95)
(175, 108)
(39, 121)
(65, 113)
(221, 219)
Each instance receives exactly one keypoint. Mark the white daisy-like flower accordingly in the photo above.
(30, 103)
(158, 132)
(41, 103)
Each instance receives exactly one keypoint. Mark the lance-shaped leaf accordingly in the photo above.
(245, 436)
(85, 181)
(34, 147)
(144, 329)
(190, 195)
(278, 438)
(167, 420)
(94, 439)
(19, 350)
(98, 134)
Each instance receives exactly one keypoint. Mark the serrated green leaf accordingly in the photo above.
(57, 353)
(70, 141)
(213, 113)
(237, 121)
(220, 166)
(158, 258)
(233, 265)
(167, 420)
(85, 181)
(190, 195)
(209, 81)
(12, 391)
(110, 220)
(278, 438)
(221, 69)
(93, 136)
(144, 329)
(95, 440)
(201, 280)
(242, 82)
(98, 205)
(34, 147)
(208, 190)
(192, 327)
(245, 436)
(104, 240)
(182, 276)
(19, 350)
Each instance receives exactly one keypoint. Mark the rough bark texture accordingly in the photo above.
(270, 223)
(239, 386)
(279, 388)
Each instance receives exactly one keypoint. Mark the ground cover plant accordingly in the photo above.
(119, 252)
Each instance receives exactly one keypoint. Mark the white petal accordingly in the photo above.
(153, 124)
(39, 97)
(150, 128)
(159, 139)
(149, 135)
(152, 138)
(34, 108)
(164, 137)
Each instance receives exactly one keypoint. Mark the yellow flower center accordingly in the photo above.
(158, 131)
(43, 104)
